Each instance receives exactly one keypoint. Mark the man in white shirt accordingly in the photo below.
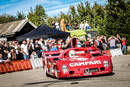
(42, 44)
(86, 26)
(112, 42)
(1, 59)
(24, 49)
(57, 25)
(81, 26)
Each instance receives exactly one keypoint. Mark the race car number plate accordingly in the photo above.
(86, 72)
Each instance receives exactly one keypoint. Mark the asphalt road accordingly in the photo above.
(37, 78)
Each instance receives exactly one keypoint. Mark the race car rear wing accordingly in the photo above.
(52, 53)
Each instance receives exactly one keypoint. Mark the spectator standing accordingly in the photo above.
(68, 43)
(6, 55)
(63, 26)
(100, 43)
(81, 26)
(118, 41)
(37, 48)
(40, 42)
(78, 43)
(82, 40)
(68, 27)
(30, 49)
(59, 44)
(32, 44)
(124, 45)
(57, 26)
(1, 59)
(104, 42)
(76, 26)
(53, 47)
(13, 54)
(86, 26)
(112, 42)
(19, 53)
(28, 41)
(88, 42)
(33, 55)
(24, 49)
(42, 45)
(94, 42)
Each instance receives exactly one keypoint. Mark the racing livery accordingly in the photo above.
(76, 62)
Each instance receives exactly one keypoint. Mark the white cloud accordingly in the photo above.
(52, 7)
(55, 11)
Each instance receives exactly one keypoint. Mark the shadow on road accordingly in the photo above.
(72, 81)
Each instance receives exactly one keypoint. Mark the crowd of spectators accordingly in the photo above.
(112, 42)
(82, 26)
(31, 49)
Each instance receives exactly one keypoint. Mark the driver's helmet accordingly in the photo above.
(72, 53)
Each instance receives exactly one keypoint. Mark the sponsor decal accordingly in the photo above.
(82, 59)
(84, 63)
(103, 72)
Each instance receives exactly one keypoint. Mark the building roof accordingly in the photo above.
(11, 27)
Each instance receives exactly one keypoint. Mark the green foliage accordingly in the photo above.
(6, 18)
(37, 16)
(9, 18)
(20, 15)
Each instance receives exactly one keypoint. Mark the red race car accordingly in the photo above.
(76, 62)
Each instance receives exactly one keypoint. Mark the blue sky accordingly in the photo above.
(52, 7)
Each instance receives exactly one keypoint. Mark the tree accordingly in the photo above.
(20, 15)
(73, 15)
(7, 18)
(114, 17)
(81, 12)
(37, 16)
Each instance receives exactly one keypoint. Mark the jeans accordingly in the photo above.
(25, 56)
(112, 47)
(124, 49)
(39, 53)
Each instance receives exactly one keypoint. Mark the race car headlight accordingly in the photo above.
(65, 68)
(106, 63)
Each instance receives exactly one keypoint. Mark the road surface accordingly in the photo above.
(37, 77)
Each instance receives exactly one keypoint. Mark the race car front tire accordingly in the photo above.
(56, 73)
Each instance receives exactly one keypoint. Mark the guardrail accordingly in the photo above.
(20, 65)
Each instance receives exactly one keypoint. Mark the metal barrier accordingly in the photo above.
(36, 63)
(14, 66)
(116, 52)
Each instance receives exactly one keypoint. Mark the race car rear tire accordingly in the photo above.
(47, 74)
